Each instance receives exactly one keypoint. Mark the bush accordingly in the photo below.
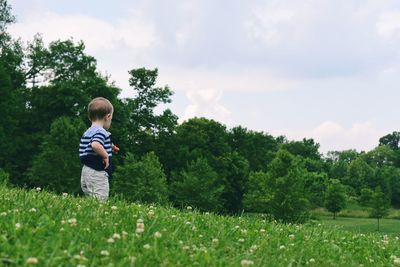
(142, 181)
(197, 186)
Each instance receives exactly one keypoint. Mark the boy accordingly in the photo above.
(95, 150)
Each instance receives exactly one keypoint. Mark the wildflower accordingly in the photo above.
(146, 246)
(253, 248)
(132, 259)
(173, 216)
(215, 241)
(72, 222)
(32, 260)
(291, 236)
(237, 227)
(157, 234)
(243, 231)
(312, 260)
(139, 226)
(18, 226)
(396, 261)
(189, 208)
(32, 210)
(282, 247)
(151, 213)
(241, 240)
(185, 247)
(193, 228)
(64, 194)
(104, 253)
(207, 213)
(3, 213)
(38, 188)
(114, 208)
(116, 236)
(110, 240)
(124, 234)
(262, 231)
(245, 263)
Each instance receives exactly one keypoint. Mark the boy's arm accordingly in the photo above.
(99, 149)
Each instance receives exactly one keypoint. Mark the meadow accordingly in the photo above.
(44, 229)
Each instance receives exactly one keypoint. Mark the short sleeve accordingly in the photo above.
(99, 137)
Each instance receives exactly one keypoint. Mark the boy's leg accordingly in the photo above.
(101, 187)
(84, 182)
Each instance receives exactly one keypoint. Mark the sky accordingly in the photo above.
(322, 69)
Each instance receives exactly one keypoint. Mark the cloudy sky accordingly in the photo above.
(322, 69)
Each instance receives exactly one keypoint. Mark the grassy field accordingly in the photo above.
(43, 229)
(363, 225)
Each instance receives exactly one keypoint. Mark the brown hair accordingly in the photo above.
(98, 108)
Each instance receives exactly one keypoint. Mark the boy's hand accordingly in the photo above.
(115, 149)
(106, 162)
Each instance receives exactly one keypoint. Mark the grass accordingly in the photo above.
(363, 225)
(50, 230)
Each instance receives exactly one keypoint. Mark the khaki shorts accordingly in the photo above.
(95, 183)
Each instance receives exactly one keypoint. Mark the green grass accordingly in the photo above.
(363, 225)
(68, 231)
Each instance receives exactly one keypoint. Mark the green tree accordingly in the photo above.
(144, 125)
(198, 186)
(316, 185)
(142, 181)
(379, 204)
(57, 166)
(366, 197)
(335, 199)
(282, 189)
(234, 171)
(392, 140)
(258, 148)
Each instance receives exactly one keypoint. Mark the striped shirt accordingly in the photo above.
(86, 153)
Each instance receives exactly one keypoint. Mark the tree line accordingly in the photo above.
(44, 92)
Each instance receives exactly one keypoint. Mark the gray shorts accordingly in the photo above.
(95, 183)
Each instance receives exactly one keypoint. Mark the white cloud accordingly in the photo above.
(133, 32)
(388, 24)
(206, 103)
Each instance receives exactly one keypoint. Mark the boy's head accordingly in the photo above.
(100, 109)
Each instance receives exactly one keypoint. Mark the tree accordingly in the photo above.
(198, 185)
(379, 204)
(144, 125)
(392, 140)
(335, 199)
(316, 185)
(234, 172)
(281, 191)
(258, 148)
(366, 197)
(57, 166)
(142, 181)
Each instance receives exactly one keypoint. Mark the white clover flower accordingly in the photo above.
(207, 213)
(282, 247)
(3, 213)
(124, 233)
(151, 213)
(32, 260)
(189, 208)
(72, 222)
(139, 230)
(104, 253)
(139, 221)
(64, 194)
(188, 223)
(32, 210)
(253, 248)
(215, 241)
(262, 231)
(18, 226)
(38, 188)
(146, 246)
(157, 234)
(194, 228)
(185, 247)
(116, 236)
(110, 240)
(243, 231)
(245, 263)
(173, 216)
(241, 240)
(312, 260)
(396, 261)
(291, 236)
(114, 208)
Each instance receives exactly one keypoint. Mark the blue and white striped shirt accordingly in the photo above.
(86, 153)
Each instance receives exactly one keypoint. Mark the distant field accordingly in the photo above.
(363, 225)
